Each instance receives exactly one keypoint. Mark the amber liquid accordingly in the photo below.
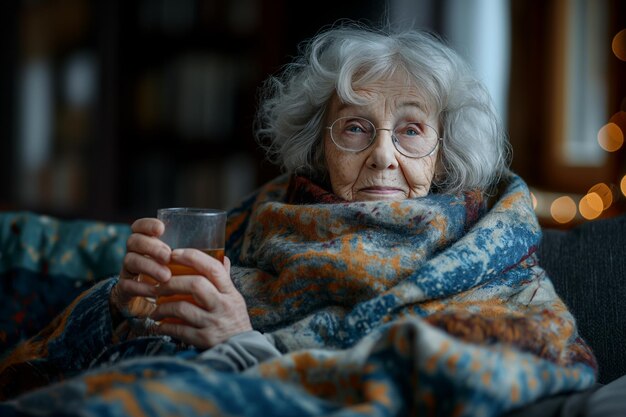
(178, 269)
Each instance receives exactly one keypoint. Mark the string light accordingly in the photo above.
(563, 209)
(610, 137)
(590, 206)
(619, 45)
(604, 192)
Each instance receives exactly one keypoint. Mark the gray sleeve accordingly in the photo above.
(240, 352)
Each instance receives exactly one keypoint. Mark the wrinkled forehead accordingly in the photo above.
(365, 87)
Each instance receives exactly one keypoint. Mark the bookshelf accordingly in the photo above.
(127, 106)
(189, 74)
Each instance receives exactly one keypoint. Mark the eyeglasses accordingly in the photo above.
(411, 139)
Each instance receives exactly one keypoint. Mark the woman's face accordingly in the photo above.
(380, 172)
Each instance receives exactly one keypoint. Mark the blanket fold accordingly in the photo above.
(429, 306)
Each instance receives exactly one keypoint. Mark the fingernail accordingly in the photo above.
(165, 254)
(178, 252)
(165, 275)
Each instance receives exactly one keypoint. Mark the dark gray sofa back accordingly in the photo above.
(587, 265)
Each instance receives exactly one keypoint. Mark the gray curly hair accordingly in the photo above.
(291, 117)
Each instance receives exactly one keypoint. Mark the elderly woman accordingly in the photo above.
(390, 270)
(357, 119)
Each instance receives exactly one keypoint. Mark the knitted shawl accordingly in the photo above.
(427, 306)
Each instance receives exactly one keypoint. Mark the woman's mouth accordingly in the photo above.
(381, 191)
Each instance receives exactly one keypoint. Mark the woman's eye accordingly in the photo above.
(411, 130)
(357, 129)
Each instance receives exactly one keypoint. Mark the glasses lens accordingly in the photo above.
(416, 139)
(352, 133)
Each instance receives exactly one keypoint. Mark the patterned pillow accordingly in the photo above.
(45, 263)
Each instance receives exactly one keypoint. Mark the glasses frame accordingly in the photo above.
(394, 139)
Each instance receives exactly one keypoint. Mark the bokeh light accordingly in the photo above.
(590, 206)
(604, 192)
(622, 185)
(563, 209)
(619, 45)
(610, 137)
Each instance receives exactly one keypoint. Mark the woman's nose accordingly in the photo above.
(383, 151)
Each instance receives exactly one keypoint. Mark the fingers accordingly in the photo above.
(200, 328)
(206, 265)
(187, 334)
(131, 288)
(148, 226)
(145, 253)
(198, 287)
(227, 264)
(149, 246)
(187, 313)
(135, 264)
(202, 308)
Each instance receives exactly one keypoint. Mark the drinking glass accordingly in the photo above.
(197, 228)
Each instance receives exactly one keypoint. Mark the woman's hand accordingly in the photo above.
(220, 311)
(147, 255)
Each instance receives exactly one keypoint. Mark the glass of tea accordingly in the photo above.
(197, 228)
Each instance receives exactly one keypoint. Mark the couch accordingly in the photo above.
(46, 262)
(587, 265)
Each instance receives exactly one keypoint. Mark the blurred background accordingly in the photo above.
(110, 109)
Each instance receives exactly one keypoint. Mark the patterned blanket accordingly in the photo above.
(429, 306)
(45, 263)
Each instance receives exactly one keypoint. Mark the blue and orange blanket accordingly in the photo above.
(428, 306)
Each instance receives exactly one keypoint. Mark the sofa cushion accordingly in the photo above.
(45, 263)
(587, 265)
